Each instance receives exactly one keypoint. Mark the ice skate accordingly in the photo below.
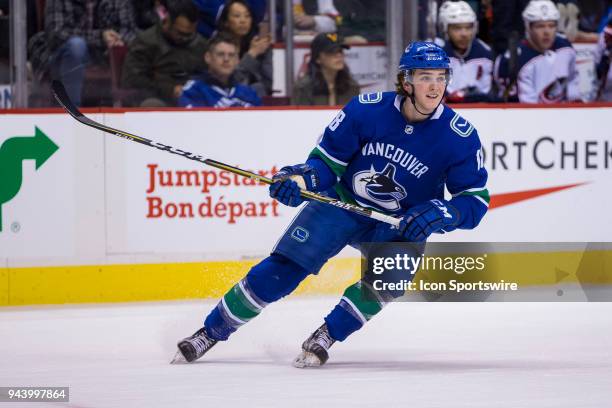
(193, 347)
(314, 349)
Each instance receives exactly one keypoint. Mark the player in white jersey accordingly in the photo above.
(602, 57)
(544, 70)
(471, 59)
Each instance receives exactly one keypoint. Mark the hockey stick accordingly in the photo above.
(62, 97)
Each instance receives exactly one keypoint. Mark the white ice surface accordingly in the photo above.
(411, 355)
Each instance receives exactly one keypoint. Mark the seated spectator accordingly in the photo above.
(79, 33)
(545, 68)
(218, 87)
(604, 73)
(162, 58)
(148, 12)
(315, 15)
(471, 59)
(328, 80)
(210, 10)
(255, 67)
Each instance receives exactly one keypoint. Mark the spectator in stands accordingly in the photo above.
(544, 70)
(328, 80)
(604, 73)
(315, 15)
(79, 32)
(362, 20)
(210, 10)
(162, 58)
(148, 12)
(471, 59)
(255, 67)
(218, 87)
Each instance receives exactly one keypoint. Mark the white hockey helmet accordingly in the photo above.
(540, 10)
(456, 12)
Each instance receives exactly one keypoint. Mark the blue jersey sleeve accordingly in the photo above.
(340, 140)
(466, 180)
(192, 95)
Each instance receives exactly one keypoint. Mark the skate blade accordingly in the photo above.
(178, 359)
(306, 359)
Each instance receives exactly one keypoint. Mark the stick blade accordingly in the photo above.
(59, 91)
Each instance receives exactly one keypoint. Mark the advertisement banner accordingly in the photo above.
(548, 176)
(37, 186)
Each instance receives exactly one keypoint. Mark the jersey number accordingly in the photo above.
(337, 120)
(479, 159)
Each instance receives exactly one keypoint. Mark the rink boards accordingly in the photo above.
(103, 220)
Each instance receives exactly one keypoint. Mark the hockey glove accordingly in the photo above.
(424, 219)
(288, 182)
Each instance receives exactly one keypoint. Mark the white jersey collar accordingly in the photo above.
(436, 115)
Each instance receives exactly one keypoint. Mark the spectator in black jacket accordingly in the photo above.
(162, 58)
(80, 31)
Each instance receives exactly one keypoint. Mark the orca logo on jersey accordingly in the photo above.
(380, 187)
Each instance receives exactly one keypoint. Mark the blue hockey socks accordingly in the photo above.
(358, 304)
(267, 282)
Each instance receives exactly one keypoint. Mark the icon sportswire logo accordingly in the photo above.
(12, 154)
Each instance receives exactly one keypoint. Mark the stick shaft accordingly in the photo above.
(63, 99)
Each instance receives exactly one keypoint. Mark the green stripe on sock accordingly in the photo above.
(367, 308)
(239, 305)
(338, 169)
(484, 194)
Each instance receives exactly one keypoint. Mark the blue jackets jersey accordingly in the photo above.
(384, 162)
(205, 92)
(472, 72)
(546, 77)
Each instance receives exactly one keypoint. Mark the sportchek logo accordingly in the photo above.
(12, 153)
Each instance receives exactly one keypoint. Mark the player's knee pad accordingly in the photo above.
(275, 277)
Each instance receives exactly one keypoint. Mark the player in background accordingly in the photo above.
(602, 57)
(393, 152)
(471, 59)
(546, 65)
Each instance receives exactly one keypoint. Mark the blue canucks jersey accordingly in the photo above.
(384, 162)
(201, 93)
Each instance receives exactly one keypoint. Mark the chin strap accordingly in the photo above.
(411, 96)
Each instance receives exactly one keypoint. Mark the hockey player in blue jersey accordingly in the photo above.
(471, 59)
(393, 152)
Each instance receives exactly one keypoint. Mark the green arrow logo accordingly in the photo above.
(12, 153)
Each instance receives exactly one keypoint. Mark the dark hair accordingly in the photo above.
(222, 38)
(319, 86)
(222, 24)
(185, 8)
